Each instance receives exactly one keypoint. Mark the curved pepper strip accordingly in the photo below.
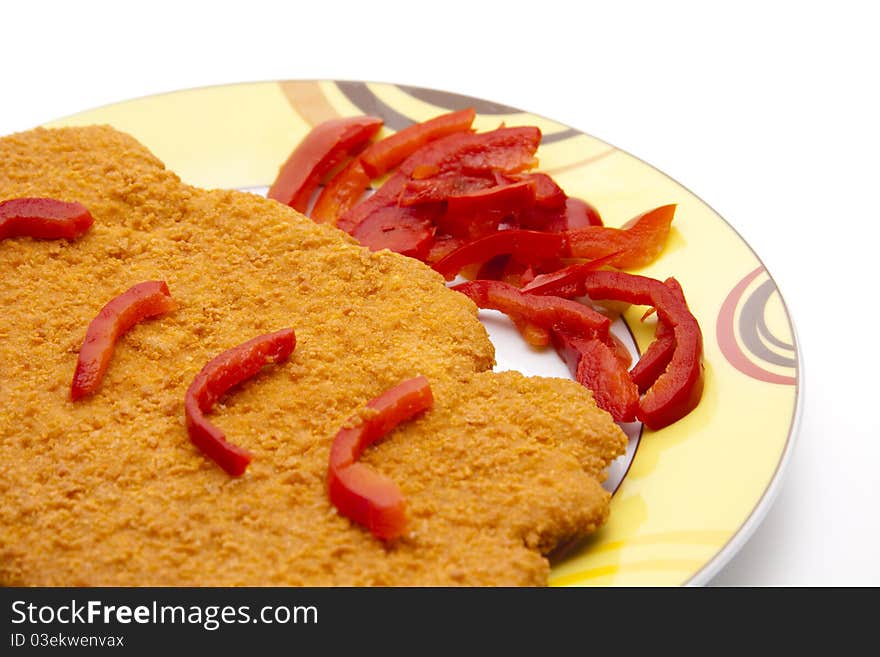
(323, 148)
(43, 218)
(637, 246)
(677, 391)
(144, 300)
(219, 375)
(385, 154)
(597, 366)
(528, 247)
(341, 193)
(355, 489)
(656, 358)
(545, 311)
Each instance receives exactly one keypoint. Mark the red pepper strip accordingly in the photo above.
(43, 218)
(502, 147)
(322, 149)
(579, 214)
(574, 214)
(384, 197)
(467, 162)
(533, 334)
(219, 375)
(340, 193)
(443, 246)
(355, 489)
(547, 193)
(656, 358)
(545, 311)
(385, 154)
(526, 246)
(495, 268)
(677, 391)
(480, 213)
(566, 282)
(515, 273)
(654, 361)
(437, 188)
(595, 365)
(408, 231)
(619, 350)
(144, 300)
(639, 245)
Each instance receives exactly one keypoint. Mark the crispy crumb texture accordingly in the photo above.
(110, 491)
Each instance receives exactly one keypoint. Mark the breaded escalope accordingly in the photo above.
(109, 490)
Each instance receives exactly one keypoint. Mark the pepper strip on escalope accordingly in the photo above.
(322, 149)
(677, 390)
(139, 302)
(219, 375)
(363, 495)
(43, 218)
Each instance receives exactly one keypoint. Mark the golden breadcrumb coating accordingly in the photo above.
(110, 491)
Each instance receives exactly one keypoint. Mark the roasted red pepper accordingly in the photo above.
(340, 193)
(144, 300)
(357, 490)
(676, 391)
(637, 246)
(548, 312)
(43, 218)
(322, 149)
(219, 375)
(387, 153)
(527, 247)
(480, 213)
(595, 365)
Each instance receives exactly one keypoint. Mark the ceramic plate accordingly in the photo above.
(685, 497)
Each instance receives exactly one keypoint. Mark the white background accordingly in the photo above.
(768, 111)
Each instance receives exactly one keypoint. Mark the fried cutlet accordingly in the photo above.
(110, 491)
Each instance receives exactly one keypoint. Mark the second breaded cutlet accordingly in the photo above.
(110, 491)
